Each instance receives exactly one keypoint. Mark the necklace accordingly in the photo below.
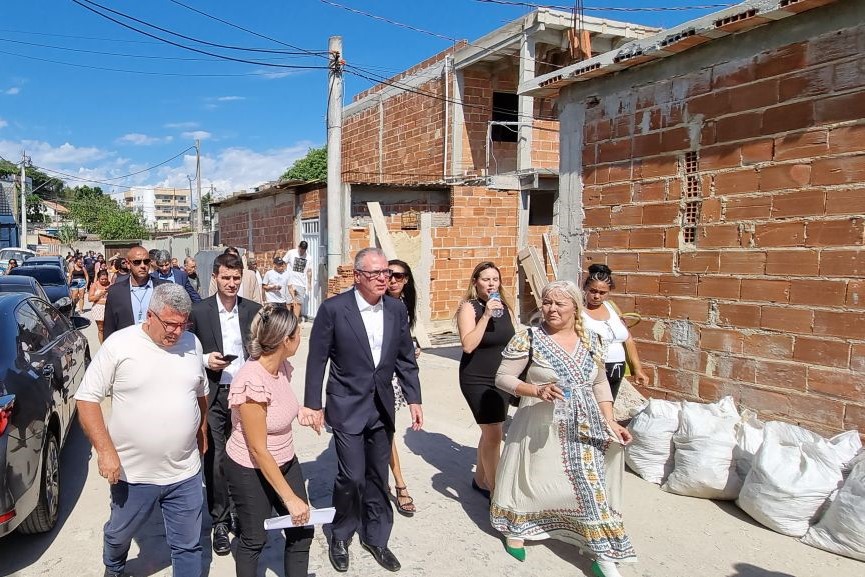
(140, 300)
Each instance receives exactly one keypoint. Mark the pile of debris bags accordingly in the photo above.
(782, 475)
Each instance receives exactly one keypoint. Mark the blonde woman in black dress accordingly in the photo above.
(485, 326)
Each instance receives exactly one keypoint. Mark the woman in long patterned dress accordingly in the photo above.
(551, 481)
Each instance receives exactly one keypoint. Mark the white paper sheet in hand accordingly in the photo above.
(316, 517)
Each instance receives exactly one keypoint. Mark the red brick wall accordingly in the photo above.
(773, 285)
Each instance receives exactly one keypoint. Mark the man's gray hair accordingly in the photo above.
(362, 254)
(170, 296)
(187, 259)
(162, 256)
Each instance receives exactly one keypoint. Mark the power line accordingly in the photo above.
(319, 53)
(608, 8)
(427, 32)
(177, 44)
(150, 73)
(81, 178)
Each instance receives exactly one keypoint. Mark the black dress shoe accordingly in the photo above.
(338, 554)
(110, 573)
(383, 556)
(221, 541)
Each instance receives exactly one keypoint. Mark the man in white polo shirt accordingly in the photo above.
(299, 275)
(150, 452)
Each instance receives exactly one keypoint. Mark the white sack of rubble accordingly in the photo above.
(749, 438)
(793, 474)
(703, 461)
(841, 530)
(650, 453)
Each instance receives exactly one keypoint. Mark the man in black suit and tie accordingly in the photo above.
(164, 271)
(365, 336)
(221, 322)
(129, 296)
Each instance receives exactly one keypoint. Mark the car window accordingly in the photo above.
(33, 333)
(46, 275)
(18, 255)
(57, 324)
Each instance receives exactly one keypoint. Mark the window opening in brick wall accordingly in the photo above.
(541, 205)
(505, 109)
(692, 198)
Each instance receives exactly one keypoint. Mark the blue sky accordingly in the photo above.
(74, 116)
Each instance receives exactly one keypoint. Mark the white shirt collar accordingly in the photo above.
(363, 305)
(222, 309)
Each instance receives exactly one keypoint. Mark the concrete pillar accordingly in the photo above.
(424, 270)
(525, 104)
(570, 201)
(458, 122)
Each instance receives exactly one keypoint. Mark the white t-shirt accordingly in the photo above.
(613, 331)
(297, 267)
(154, 410)
(277, 278)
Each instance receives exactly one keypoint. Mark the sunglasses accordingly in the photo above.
(140, 261)
(398, 275)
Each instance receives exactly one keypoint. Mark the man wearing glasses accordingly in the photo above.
(364, 335)
(150, 452)
(222, 323)
(129, 296)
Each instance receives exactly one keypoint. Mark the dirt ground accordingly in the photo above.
(450, 535)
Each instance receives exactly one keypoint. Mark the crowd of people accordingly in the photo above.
(228, 409)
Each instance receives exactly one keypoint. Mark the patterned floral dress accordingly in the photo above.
(551, 481)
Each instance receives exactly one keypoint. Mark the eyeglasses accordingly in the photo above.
(371, 274)
(398, 275)
(140, 261)
(171, 326)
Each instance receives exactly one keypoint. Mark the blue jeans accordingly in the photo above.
(181, 504)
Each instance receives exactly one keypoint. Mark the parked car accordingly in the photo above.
(19, 254)
(53, 280)
(38, 380)
(57, 261)
(22, 284)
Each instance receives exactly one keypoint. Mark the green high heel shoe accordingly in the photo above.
(518, 553)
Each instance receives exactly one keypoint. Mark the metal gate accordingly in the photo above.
(313, 240)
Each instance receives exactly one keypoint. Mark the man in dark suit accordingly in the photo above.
(221, 322)
(164, 271)
(129, 296)
(365, 336)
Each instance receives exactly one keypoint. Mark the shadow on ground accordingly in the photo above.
(748, 570)
(18, 551)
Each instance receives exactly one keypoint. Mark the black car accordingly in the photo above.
(57, 261)
(38, 380)
(22, 284)
(53, 280)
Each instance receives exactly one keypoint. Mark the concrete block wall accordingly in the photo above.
(767, 302)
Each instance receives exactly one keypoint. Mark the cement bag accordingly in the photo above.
(847, 445)
(703, 461)
(841, 530)
(749, 437)
(650, 453)
(793, 473)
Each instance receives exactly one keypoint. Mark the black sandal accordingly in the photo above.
(403, 508)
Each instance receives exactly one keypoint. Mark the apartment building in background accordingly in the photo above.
(163, 208)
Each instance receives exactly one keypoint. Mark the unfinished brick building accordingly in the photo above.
(719, 168)
(449, 143)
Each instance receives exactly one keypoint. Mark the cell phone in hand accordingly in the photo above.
(229, 358)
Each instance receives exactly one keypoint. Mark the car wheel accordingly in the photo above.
(44, 516)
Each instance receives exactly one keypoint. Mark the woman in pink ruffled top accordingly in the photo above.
(262, 470)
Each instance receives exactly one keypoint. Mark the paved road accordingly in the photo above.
(450, 536)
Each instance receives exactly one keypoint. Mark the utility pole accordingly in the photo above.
(189, 178)
(199, 224)
(334, 156)
(210, 214)
(23, 200)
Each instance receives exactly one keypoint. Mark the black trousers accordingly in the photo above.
(615, 374)
(360, 493)
(254, 500)
(218, 431)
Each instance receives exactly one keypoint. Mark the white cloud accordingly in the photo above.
(3, 123)
(181, 125)
(143, 139)
(12, 91)
(272, 75)
(230, 98)
(48, 155)
(196, 135)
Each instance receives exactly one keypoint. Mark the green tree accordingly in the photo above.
(68, 235)
(100, 214)
(122, 224)
(44, 185)
(313, 166)
(35, 209)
